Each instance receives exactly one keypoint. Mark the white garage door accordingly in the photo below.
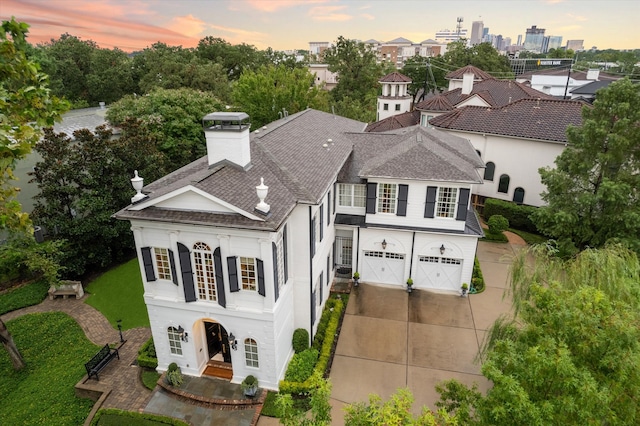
(438, 273)
(383, 267)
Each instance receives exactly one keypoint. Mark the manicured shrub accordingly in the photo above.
(175, 378)
(301, 365)
(300, 340)
(517, 215)
(172, 367)
(477, 280)
(147, 355)
(497, 224)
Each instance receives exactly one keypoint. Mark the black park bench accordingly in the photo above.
(100, 360)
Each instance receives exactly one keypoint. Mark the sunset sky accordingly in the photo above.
(288, 24)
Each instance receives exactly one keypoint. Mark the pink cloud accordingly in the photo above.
(329, 13)
(274, 5)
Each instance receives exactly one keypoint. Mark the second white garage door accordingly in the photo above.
(438, 273)
(383, 267)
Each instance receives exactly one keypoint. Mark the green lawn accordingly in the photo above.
(118, 295)
(55, 349)
(26, 295)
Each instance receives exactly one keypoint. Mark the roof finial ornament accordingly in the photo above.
(137, 182)
(262, 190)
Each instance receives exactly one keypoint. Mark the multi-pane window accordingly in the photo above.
(280, 248)
(162, 263)
(204, 271)
(446, 202)
(248, 272)
(387, 194)
(397, 107)
(352, 195)
(251, 352)
(174, 341)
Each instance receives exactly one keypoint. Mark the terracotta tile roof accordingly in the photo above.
(479, 74)
(395, 77)
(541, 119)
(398, 121)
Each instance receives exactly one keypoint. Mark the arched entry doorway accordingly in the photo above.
(219, 351)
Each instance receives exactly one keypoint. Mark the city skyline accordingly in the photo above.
(292, 24)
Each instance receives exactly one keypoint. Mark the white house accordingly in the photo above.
(240, 247)
(395, 98)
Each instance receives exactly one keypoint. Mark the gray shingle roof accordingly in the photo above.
(398, 121)
(542, 119)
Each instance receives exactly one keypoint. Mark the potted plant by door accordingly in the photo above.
(356, 278)
(409, 285)
(464, 289)
(249, 386)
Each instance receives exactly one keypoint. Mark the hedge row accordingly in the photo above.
(113, 416)
(517, 215)
(147, 355)
(477, 280)
(327, 330)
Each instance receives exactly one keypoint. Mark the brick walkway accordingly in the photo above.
(127, 392)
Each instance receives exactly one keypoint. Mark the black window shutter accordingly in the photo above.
(284, 253)
(187, 273)
(372, 188)
(217, 264)
(172, 262)
(334, 255)
(313, 237)
(329, 209)
(328, 268)
(335, 191)
(321, 218)
(233, 274)
(320, 286)
(403, 192)
(461, 214)
(313, 308)
(430, 206)
(260, 266)
(276, 290)
(147, 261)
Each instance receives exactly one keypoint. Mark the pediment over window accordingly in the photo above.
(190, 198)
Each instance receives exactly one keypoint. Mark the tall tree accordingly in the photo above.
(109, 77)
(483, 56)
(593, 194)
(173, 118)
(570, 353)
(358, 72)
(424, 78)
(234, 59)
(267, 91)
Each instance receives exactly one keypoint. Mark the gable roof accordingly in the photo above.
(417, 153)
(541, 119)
(395, 77)
(460, 72)
(496, 93)
(399, 40)
(394, 122)
(590, 88)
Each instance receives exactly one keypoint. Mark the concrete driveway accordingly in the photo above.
(391, 339)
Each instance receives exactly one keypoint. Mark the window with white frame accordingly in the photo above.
(174, 341)
(280, 249)
(204, 271)
(447, 198)
(251, 353)
(352, 195)
(248, 273)
(162, 263)
(387, 196)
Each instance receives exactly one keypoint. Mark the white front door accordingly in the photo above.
(383, 267)
(438, 273)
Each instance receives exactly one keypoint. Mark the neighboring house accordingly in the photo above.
(395, 98)
(240, 247)
(323, 77)
(514, 128)
(588, 91)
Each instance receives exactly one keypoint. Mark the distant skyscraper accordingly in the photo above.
(447, 36)
(519, 43)
(534, 39)
(477, 28)
(575, 45)
(507, 42)
(555, 42)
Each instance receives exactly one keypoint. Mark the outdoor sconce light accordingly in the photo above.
(442, 249)
(384, 244)
(184, 336)
(233, 342)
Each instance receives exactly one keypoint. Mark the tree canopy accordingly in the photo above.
(570, 353)
(592, 194)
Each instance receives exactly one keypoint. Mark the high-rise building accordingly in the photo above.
(534, 39)
(507, 42)
(477, 28)
(555, 42)
(575, 45)
(447, 36)
(519, 43)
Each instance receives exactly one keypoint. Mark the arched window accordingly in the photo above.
(518, 195)
(503, 185)
(204, 271)
(174, 341)
(251, 353)
(489, 171)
